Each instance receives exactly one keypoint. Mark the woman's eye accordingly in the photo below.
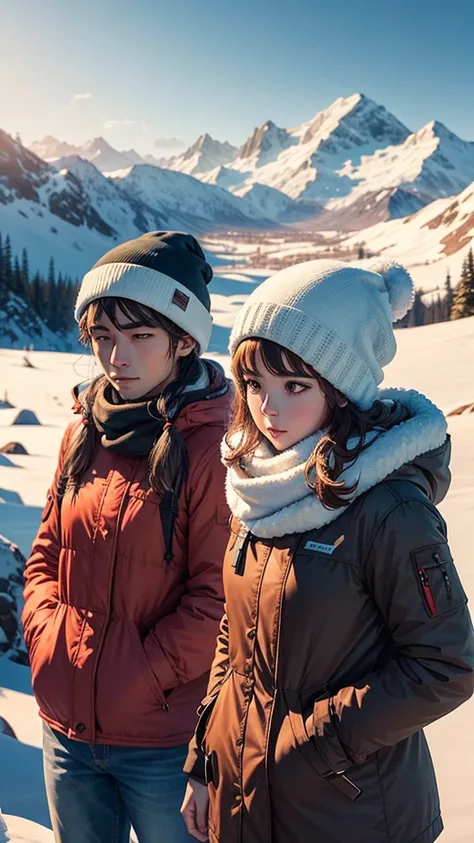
(102, 339)
(295, 388)
(141, 336)
(252, 385)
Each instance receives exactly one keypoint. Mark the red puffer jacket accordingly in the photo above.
(120, 640)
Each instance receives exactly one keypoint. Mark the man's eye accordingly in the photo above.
(101, 338)
(141, 336)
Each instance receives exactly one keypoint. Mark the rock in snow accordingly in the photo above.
(12, 564)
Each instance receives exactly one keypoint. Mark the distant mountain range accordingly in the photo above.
(72, 211)
(352, 166)
(98, 151)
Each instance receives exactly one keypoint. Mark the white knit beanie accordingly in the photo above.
(165, 270)
(336, 316)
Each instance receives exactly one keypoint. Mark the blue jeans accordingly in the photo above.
(95, 793)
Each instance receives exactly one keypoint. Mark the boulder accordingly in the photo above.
(13, 448)
(462, 410)
(12, 565)
(25, 417)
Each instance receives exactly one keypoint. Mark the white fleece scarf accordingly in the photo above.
(271, 498)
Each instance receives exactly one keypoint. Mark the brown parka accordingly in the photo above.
(338, 646)
(121, 640)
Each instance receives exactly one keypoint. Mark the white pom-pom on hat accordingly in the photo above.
(399, 284)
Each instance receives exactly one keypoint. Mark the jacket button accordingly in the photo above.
(80, 728)
(239, 741)
(251, 633)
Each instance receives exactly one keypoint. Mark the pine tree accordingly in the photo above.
(463, 301)
(17, 285)
(37, 297)
(25, 269)
(3, 286)
(7, 264)
(418, 312)
(50, 299)
(51, 272)
(448, 301)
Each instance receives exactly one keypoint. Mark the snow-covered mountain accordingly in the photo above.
(48, 212)
(195, 204)
(429, 164)
(304, 162)
(351, 165)
(204, 155)
(73, 212)
(50, 148)
(124, 215)
(430, 242)
(276, 205)
(263, 146)
(355, 160)
(98, 151)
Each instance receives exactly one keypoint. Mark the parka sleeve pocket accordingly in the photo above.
(438, 580)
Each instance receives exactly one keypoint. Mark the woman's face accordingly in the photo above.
(285, 408)
(137, 360)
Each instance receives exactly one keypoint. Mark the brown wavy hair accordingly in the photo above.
(169, 456)
(343, 420)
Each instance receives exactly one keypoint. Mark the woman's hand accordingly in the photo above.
(195, 809)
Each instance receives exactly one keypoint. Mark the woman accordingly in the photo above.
(346, 629)
(124, 584)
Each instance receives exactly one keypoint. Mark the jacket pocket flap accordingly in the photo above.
(438, 579)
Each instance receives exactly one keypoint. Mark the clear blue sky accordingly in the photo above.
(146, 69)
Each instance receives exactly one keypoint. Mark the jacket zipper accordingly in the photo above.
(275, 677)
(428, 594)
(240, 553)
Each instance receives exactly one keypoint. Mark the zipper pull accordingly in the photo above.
(240, 552)
(425, 584)
(447, 581)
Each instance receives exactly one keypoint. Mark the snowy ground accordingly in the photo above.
(411, 240)
(435, 359)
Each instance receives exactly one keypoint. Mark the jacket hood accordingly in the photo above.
(429, 471)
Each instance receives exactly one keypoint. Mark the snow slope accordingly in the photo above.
(194, 202)
(19, 830)
(429, 242)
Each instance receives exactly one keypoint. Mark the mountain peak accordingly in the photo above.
(356, 121)
(204, 155)
(49, 139)
(265, 143)
(99, 144)
(436, 129)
